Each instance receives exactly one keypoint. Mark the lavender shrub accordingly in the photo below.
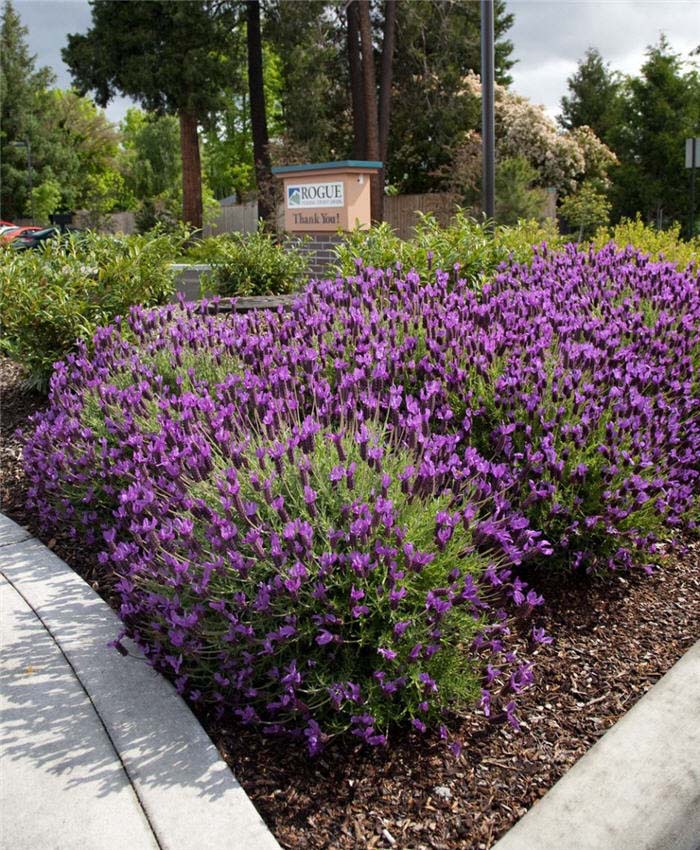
(315, 519)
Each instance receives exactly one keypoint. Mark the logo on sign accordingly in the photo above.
(315, 195)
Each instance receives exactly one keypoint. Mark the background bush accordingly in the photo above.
(249, 264)
(658, 244)
(63, 291)
(466, 242)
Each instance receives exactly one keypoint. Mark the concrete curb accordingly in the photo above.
(187, 285)
(638, 787)
(188, 794)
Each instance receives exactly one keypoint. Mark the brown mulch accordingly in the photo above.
(615, 636)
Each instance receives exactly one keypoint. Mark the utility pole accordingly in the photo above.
(25, 144)
(692, 148)
(488, 127)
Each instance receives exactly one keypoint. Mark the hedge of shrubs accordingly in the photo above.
(63, 291)
(318, 519)
(477, 248)
(249, 264)
(50, 298)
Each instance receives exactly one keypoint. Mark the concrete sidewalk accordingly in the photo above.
(638, 788)
(98, 751)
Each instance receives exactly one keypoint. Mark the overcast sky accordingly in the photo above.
(549, 37)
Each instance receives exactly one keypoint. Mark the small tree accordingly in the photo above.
(517, 194)
(586, 209)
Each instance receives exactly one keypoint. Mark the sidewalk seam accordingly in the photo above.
(90, 700)
(17, 542)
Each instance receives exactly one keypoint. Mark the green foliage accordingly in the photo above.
(252, 264)
(84, 149)
(438, 43)
(661, 110)
(465, 241)
(659, 244)
(586, 209)
(151, 160)
(53, 296)
(313, 89)
(645, 120)
(227, 153)
(169, 56)
(68, 136)
(45, 200)
(21, 116)
(517, 195)
(594, 100)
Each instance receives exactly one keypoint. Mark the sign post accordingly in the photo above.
(692, 160)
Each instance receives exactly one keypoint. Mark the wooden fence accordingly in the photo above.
(400, 211)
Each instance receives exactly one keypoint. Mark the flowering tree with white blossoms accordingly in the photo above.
(562, 159)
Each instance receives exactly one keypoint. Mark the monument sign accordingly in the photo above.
(327, 196)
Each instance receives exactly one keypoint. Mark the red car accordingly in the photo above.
(12, 232)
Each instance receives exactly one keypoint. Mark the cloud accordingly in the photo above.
(551, 37)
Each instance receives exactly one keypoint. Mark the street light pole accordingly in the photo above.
(25, 144)
(31, 178)
(488, 129)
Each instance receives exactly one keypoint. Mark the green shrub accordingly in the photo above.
(63, 291)
(249, 264)
(587, 209)
(667, 244)
(465, 241)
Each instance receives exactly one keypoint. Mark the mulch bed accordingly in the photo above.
(615, 636)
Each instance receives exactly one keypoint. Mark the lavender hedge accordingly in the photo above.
(317, 519)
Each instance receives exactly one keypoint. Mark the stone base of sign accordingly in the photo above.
(318, 248)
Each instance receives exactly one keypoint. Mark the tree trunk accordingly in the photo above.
(191, 169)
(258, 116)
(369, 90)
(385, 80)
(358, 111)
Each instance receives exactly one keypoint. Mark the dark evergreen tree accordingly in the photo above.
(594, 99)
(22, 116)
(661, 109)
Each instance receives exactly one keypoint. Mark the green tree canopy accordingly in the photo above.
(173, 58)
(594, 100)
(85, 146)
(661, 109)
(22, 87)
(151, 160)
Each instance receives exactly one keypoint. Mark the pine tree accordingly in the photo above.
(594, 100)
(661, 110)
(22, 87)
